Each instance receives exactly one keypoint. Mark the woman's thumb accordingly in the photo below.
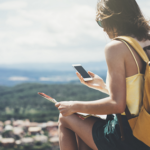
(57, 104)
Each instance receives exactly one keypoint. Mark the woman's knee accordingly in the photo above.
(62, 120)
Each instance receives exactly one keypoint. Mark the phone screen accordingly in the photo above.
(83, 73)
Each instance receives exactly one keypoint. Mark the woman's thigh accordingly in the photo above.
(83, 128)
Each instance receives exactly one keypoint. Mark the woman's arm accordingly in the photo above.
(116, 102)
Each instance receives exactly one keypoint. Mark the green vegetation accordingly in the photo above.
(36, 146)
(23, 102)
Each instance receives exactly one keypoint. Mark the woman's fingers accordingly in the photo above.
(80, 77)
(82, 80)
(91, 73)
(62, 111)
(57, 104)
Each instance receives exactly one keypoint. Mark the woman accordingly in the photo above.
(118, 18)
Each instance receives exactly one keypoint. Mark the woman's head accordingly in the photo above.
(122, 17)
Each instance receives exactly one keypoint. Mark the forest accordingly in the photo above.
(23, 102)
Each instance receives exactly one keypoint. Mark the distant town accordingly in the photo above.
(23, 133)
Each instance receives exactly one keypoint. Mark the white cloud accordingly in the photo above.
(18, 78)
(61, 27)
(45, 79)
(36, 37)
(18, 21)
(144, 5)
(51, 31)
(45, 56)
(58, 78)
(13, 5)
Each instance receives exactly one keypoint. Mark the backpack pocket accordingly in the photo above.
(132, 122)
(141, 130)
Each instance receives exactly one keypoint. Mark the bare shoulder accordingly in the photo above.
(115, 53)
(116, 48)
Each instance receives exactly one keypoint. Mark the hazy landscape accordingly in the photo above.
(28, 121)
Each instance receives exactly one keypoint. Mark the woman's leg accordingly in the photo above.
(67, 139)
(81, 144)
(71, 125)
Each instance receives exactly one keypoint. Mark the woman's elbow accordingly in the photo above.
(120, 107)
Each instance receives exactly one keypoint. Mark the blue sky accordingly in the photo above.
(45, 31)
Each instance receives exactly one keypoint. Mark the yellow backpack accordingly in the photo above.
(140, 125)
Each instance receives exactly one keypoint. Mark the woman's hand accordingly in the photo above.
(97, 82)
(66, 107)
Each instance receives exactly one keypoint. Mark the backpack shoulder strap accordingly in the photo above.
(132, 55)
(131, 41)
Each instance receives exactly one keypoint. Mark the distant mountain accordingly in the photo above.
(11, 77)
(55, 66)
(56, 74)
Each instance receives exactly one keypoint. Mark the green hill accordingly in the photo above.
(23, 102)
